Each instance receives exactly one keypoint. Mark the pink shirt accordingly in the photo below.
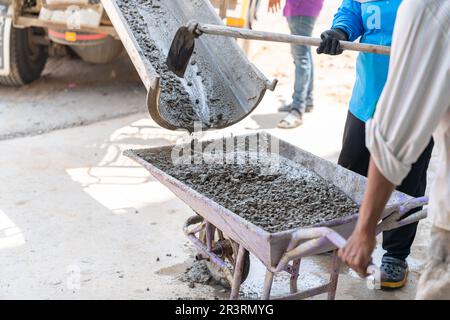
(308, 8)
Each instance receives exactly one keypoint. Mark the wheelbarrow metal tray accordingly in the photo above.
(269, 247)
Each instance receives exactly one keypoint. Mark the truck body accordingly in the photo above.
(31, 29)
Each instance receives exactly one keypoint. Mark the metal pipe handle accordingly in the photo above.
(318, 237)
(285, 38)
(395, 219)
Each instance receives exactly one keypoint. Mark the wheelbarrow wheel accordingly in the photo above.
(229, 256)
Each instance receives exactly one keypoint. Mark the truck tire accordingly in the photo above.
(27, 59)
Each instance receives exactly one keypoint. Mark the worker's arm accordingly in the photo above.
(358, 252)
(349, 19)
(415, 99)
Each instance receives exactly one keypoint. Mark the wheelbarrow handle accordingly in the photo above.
(395, 220)
(340, 242)
(316, 238)
(412, 204)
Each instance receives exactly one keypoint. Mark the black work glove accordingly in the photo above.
(330, 42)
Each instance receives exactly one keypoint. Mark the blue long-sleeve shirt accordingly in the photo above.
(373, 21)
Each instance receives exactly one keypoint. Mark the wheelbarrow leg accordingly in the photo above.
(335, 267)
(294, 275)
(237, 276)
(267, 285)
(210, 230)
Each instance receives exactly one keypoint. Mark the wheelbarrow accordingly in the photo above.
(225, 239)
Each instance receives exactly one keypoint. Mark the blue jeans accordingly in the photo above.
(304, 66)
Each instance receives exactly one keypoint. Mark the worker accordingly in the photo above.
(301, 16)
(415, 105)
(373, 22)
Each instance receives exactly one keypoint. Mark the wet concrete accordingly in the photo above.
(270, 191)
(173, 95)
(197, 272)
(182, 102)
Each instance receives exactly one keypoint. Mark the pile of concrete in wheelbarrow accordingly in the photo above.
(289, 197)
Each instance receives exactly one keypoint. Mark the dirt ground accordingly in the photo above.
(78, 220)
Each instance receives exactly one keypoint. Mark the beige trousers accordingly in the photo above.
(435, 280)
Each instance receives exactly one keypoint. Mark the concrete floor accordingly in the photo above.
(70, 94)
(78, 220)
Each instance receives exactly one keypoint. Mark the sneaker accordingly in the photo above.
(394, 273)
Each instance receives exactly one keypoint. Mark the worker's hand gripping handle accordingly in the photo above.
(340, 243)
(307, 241)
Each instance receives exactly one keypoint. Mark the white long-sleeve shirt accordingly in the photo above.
(415, 104)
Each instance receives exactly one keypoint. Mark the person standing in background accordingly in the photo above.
(301, 16)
